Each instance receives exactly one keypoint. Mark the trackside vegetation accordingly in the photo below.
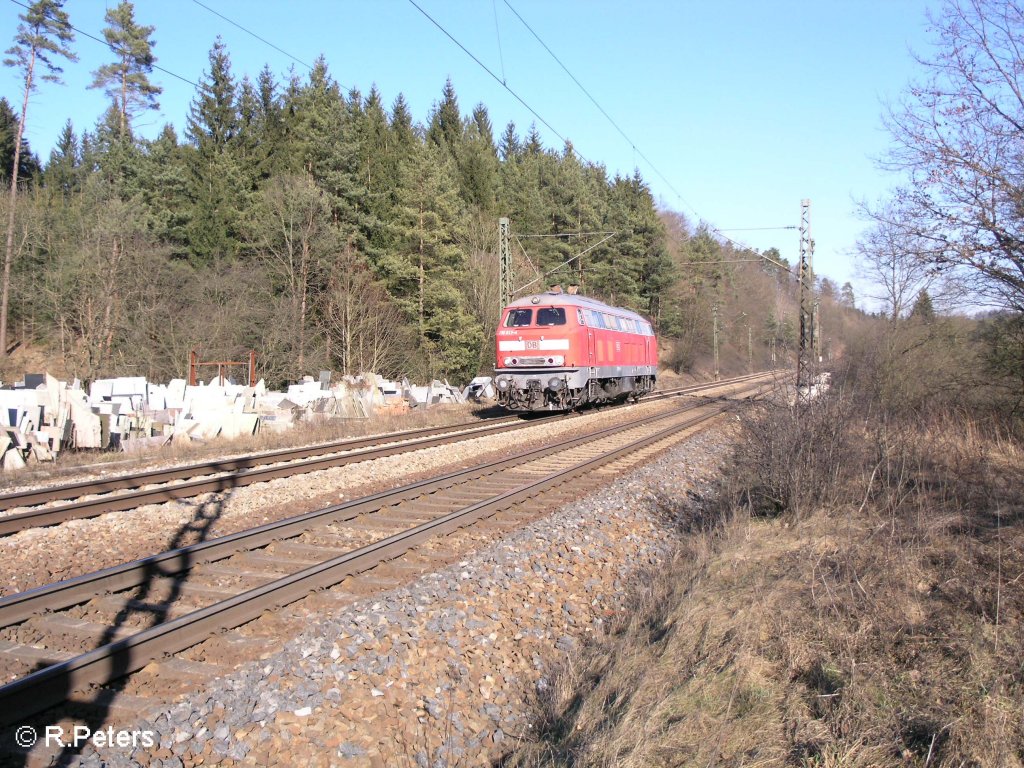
(853, 606)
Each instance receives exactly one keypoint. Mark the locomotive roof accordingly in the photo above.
(571, 300)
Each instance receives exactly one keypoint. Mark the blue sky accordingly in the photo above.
(745, 106)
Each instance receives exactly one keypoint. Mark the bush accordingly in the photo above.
(791, 458)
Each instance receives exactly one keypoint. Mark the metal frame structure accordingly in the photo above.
(194, 365)
(806, 278)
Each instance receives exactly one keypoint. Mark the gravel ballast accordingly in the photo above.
(443, 671)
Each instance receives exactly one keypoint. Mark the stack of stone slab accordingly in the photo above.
(41, 416)
(35, 419)
(435, 393)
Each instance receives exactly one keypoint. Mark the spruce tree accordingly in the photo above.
(216, 178)
(126, 80)
(28, 164)
(846, 296)
(377, 155)
(63, 171)
(44, 34)
(533, 145)
(425, 271)
(509, 148)
(164, 171)
(213, 119)
(116, 157)
(261, 133)
(379, 161)
(316, 117)
(923, 308)
(478, 165)
(401, 124)
(445, 127)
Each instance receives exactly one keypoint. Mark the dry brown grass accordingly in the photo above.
(881, 629)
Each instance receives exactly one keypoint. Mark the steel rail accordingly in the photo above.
(63, 594)
(94, 507)
(73, 490)
(259, 472)
(52, 685)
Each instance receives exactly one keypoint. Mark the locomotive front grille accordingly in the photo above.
(526, 362)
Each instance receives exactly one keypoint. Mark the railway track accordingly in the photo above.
(69, 636)
(92, 498)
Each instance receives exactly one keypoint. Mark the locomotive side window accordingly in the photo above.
(551, 316)
(517, 318)
(630, 325)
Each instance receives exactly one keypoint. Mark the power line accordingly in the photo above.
(497, 32)
(105, 43)
(752, 229)
(602, 110)
(253, 34)
(571, 234)
(632, 144)
(497, 79)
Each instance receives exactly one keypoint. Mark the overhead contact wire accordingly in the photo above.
(497, 33)
(253, 34)
(497, 79)
(615, 125)
(602, 110)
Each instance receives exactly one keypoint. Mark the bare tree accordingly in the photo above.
(365, 329)
(291, 234)
(960, 140)
(92, 275)
(482, 281)
(44, 32)
(896, 263)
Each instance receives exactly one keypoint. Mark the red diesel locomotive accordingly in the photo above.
(558, 351)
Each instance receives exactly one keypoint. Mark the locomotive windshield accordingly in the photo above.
(517, 318)
(551, 316)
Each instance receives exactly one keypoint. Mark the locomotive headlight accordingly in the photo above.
(555, 384)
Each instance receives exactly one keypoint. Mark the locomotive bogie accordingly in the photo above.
(557, 352)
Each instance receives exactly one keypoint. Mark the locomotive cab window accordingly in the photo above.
(517, 318)
(551, 316)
